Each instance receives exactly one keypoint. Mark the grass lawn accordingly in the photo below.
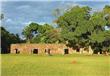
(57, 65)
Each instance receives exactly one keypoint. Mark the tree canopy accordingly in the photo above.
(77, 27)
(81, 28)
(7, 39)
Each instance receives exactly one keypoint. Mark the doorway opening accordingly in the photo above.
(35, 51)
(47, 51)
(66, 51)
(77, 50)
(17, 51)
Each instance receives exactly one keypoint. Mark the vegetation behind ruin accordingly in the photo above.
(77, 27)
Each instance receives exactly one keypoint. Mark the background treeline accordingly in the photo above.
(78, 27)
(7, 39)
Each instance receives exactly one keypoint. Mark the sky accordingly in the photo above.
(20, 13)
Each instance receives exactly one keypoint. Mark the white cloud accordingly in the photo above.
(9, 20)
(72, 4)
(24, 7)
(27, 23)
(107, 28)
(41, 23)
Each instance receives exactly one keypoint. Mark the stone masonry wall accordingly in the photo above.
(27, 48)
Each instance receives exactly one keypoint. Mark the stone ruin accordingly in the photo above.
(40, 49)
(49, 49)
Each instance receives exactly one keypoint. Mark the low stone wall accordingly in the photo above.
(47, 49)
(41, 48)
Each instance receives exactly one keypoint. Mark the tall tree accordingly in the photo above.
(72, 24)
(7, 39)
(30, 31)
(81, 29)
(41, 37)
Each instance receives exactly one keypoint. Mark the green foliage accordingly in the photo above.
(7, 39)
(77, 27)
(53, 36)
(30, 31)
(43, 33)
(74, 24)
(97, 37)
(80, 28)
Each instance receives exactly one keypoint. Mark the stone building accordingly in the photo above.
(40, 49)
(49, 49)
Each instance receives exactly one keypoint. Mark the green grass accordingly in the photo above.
(57, 65)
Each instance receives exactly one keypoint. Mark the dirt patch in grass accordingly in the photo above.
(74, 62)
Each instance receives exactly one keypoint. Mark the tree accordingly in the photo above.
(1, 16)
(7, 39)
(72, 24)
(77, 27)
(30, 31)
(42, 34)
(47, 34)
(100, 36)
(82, 29)
(54, 36)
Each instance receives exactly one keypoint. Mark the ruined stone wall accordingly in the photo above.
(27, 48)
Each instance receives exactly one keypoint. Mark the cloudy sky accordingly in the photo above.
(20, 13)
